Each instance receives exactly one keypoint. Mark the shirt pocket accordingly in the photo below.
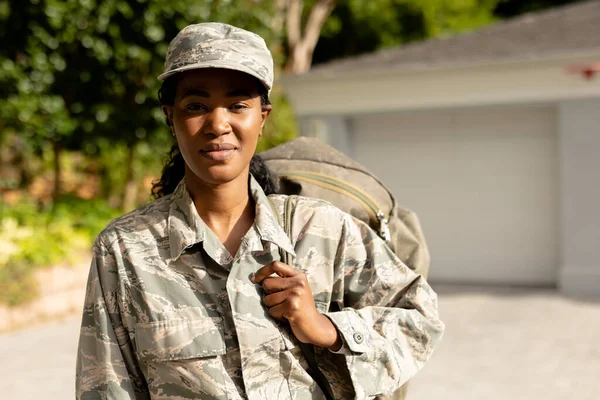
(179, 339)
(182, 357)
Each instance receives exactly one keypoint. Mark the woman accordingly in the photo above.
(187, 297)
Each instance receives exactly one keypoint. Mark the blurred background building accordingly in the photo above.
(492, 137)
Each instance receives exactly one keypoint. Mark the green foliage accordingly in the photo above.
(358, 26)
(78, 74)
(444, 18)
(85, 218)
(31, 238)
(281, 125)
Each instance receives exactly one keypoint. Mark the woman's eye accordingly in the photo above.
(195, 107)
(238, 107)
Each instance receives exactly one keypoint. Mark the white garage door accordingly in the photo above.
(484, 183)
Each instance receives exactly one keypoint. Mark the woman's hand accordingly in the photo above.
(288, 297)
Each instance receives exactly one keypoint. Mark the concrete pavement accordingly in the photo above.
(513, 343)
(39, 363)
(500, 343)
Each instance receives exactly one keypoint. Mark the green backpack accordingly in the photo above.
(308, 167)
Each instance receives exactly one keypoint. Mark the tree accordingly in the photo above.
(301, 45)
(357, 26)
(32, 64)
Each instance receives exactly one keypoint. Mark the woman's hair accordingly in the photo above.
(174, 168)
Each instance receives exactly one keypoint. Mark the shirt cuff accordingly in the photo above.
(353, 331)
(345, 350)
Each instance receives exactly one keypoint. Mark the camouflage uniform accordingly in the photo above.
(170, 314)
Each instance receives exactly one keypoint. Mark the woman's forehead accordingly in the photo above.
(216, 79)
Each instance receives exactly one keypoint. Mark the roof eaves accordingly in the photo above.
(429, 67)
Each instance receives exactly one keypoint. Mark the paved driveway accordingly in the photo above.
(518, 344)
(39, 363)
(500, 343)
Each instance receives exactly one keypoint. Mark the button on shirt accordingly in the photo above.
(170, 314)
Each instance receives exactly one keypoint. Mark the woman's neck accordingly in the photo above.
(226, 209)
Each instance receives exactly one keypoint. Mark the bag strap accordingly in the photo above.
(308, 350)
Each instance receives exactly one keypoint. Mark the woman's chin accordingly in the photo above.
(220, 174)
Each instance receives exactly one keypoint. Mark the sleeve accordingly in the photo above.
(388, 317)
(106, 364)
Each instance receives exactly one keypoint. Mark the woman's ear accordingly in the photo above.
(265, 111)
(168, 111)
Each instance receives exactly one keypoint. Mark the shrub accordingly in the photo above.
(32, 238)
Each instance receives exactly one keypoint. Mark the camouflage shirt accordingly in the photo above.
(170, 314)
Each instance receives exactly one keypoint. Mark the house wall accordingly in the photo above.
(579, 144)
(331, 129)
(484, 183)
(325, 105)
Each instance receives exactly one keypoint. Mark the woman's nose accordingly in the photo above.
(217, 122)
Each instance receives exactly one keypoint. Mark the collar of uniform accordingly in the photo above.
(266, 222)
(184, 224)
(186, 228)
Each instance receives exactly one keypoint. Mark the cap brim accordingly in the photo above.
(215, 64)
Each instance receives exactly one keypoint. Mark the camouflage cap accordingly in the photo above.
(218, 45)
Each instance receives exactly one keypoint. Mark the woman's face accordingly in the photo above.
(217, 119)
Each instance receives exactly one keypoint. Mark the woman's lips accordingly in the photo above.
(218, 152)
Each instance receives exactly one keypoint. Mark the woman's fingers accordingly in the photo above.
(276, 267)
(289, 297)
(274, 299)
(296, 299)
(278, 312)
(272, 285)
